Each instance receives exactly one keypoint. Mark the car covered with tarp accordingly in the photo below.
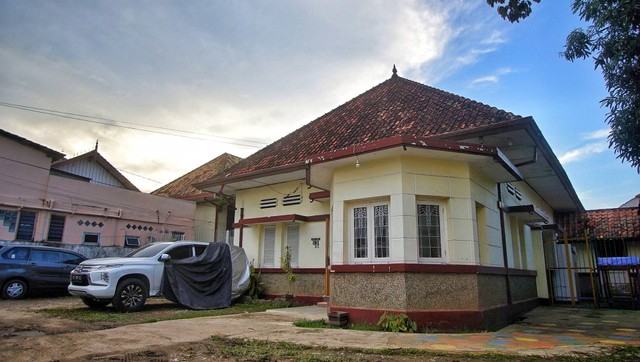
(197, 275)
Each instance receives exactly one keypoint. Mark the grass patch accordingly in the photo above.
(153, 312)
(256, 350)
(316, 323)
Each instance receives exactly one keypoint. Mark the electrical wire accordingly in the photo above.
(159, 130)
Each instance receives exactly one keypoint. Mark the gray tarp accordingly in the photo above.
(240, 267)
(200, 282)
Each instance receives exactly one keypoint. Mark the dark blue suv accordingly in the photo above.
(27, 268)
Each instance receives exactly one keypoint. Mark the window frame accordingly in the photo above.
(51, 222)
(370, 233)
(132, 237)
(84, 238)
(271, 263)
(294, 245)
(443, 231)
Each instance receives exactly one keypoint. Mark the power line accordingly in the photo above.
(97, 120)
(131, 173)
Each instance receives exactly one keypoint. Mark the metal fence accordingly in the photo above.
(601, 273)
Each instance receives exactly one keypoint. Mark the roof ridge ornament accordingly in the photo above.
(395, 71)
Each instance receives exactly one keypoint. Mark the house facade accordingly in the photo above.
(82, 203)
(214, 213)
(406, 199)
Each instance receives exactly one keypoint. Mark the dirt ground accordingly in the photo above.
(27, 335)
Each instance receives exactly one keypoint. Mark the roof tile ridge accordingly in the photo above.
(466, 99)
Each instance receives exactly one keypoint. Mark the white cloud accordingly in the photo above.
(583, 152)
(251, 71)
(601, 133)
(490, 79)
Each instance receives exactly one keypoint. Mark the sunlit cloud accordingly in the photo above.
(583, 152)
(490, 79)
(601, 133)
(249, 72)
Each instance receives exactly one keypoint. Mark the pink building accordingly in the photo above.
(82, 203)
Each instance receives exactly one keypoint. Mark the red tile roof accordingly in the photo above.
(395, 107)
(602, 224)
(181, 188)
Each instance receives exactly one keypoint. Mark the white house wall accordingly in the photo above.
(403, 180)
(249, 201)
(205, 222)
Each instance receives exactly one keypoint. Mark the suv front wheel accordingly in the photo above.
(131, 295)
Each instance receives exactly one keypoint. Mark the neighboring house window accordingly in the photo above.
(26, 225)
(132, 241)
(56, 228)
(430, 231)
(177, 235)
(269, 245)
(370, 232)
(91, 238)
(293, 242)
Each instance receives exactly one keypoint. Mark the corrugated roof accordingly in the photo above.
(602, 224)
(181, 188)
(395, 107)
(97, 157)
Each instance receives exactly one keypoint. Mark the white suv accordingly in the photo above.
(127, 282)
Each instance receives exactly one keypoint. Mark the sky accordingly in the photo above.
(166, 86)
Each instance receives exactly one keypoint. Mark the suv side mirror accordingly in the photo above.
(165, 257)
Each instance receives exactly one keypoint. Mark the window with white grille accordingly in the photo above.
(369, 232)
(430, 231)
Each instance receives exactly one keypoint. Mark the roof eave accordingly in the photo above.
(529, 125)
(226, 180)
(418, 142)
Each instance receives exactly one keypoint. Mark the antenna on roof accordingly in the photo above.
(395, 71)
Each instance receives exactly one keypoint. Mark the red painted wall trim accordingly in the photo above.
(279, 218)
(319, 195)
(295, 270)
(428, 268)
(446, 320)
(316, 218)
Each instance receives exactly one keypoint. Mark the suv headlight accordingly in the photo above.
(99, 278)
(109, 266)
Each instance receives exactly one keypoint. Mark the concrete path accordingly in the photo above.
(546, 331)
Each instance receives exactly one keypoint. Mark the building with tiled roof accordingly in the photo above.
(212, 212)
(82, 203)
(405, 199)
(182, 187)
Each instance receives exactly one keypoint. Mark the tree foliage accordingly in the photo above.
(612, 40)
(513, 10)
